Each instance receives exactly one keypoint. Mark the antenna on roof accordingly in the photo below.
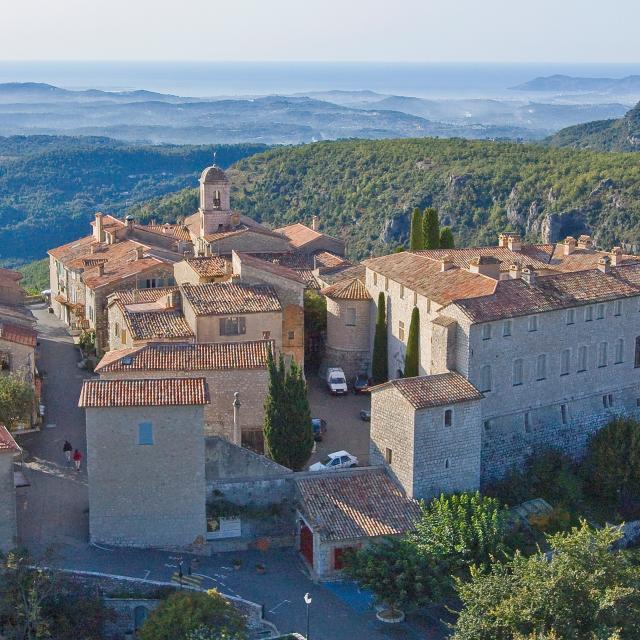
(215, 153)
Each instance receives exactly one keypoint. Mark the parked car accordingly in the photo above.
(319, 427)
(336, 381)
(365, 415)
(362, 383)
(336, 460)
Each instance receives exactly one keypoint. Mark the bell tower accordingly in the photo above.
(215, 200)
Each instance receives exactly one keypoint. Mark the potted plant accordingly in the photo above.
(237, 563)
(260, 568)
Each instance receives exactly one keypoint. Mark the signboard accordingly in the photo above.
(222, 528)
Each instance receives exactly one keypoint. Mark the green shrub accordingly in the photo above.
(612, 464)
(191, 612)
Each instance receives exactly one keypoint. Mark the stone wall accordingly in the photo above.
(8, 530)
(146, 495)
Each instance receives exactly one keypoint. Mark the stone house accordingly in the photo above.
(8, 518)
(554, 351)
(341, 511)
(228, 367)
(309, 240)
(17, 351)
(202, 270)
(145, 461)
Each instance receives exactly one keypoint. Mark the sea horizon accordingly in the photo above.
(226, 79)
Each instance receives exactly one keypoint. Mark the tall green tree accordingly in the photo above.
(17, 401)
(446, 238)
(379, 361)
(288, 433)
(416, 239)
(412, 356)
(583, 589)
(431, 229)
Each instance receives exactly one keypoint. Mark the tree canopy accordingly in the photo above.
(412, 356)
(379, 361)
(17, 401)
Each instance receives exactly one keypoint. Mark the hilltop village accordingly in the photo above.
(520, 347)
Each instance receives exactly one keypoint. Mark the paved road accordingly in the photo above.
(53, 511)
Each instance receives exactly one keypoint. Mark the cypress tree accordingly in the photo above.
(300, 432)
(288, 434)
(431, 229)
(416, 240)
(379, 369)
(446, 239)
(412, 357)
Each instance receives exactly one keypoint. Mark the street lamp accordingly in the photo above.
(307, 599)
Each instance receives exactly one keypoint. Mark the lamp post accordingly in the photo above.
(237, 433)
(307, 600)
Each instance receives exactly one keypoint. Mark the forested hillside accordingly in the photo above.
(364, 191)
(50, 186)
(621, 134)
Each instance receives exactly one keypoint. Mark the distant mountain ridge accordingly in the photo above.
(564, 83)
(622, 134)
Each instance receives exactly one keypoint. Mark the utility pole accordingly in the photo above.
(237, 432)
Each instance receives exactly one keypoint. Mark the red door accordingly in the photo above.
(306, 543)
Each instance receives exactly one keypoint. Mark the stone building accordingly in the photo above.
(348, 327)
(145, 461)
(202, 270)
(343, 511)
(8, 518)
(228, 367)
(552, 344)
(17, 351)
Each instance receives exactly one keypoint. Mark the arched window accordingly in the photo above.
(448, 417)
(216, 199)
(485, 378)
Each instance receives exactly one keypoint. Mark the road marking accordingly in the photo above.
(279, 605)
(146, 574)
(186, 580)
(51, 425)
(226, 568)
(93, 544)
(171, 566)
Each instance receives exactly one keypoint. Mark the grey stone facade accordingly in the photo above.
(8, 522)
(146, 495)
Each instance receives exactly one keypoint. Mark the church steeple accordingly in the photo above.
(215, 201)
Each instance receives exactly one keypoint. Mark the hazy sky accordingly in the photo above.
(394, 30)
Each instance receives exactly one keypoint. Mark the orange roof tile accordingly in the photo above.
(18, 334)
(228, 298)
(209, 356)
(210, 267)
(299, 234)
(135, 296)
(352, 506)
(425, 392)
(144, 393)
(351, 289)
(7, 443)
(424, 275)
(271, 267)
(146, 322)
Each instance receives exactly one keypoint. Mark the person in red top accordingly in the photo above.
(77, 458)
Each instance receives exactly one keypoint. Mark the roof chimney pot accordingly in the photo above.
(616, 256)
(569, 245)
(604, 264)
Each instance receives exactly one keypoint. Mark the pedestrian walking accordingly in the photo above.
(77, 459)
(67, 449)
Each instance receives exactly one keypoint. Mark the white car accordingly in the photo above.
(336, 460)
(336, 381)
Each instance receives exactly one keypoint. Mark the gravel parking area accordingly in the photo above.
(345, 429)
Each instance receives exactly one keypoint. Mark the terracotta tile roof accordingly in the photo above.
(243, 227)
(424, 275)
(342, 272)
(270, 266)
(177, 231)
(18, 334)
(210, 267)
(80, 248)
(351, 289)
(10, 274)
(144, 393)
(514, 298)
(146, 323)
(425, 392)
(134, 296)
(110, 223)
(7, 443)
(211, 356)
(228, 298)
(537, 255)
(344, 506)
(308, 278)
(299, 234)
(583, 259)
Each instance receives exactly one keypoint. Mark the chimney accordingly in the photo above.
(529, 275)
(616, 256)
(98, 229)
(502, 239)
(129, 223)
(101, 269)
(93, 248)
(314, 223)
(486, 266)
(604, 264)
(139, 252)
(446, 263)
(569, 245)
(234, 219)
(515, 271)
(171, 301)
(514, 242)
(584, 242)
